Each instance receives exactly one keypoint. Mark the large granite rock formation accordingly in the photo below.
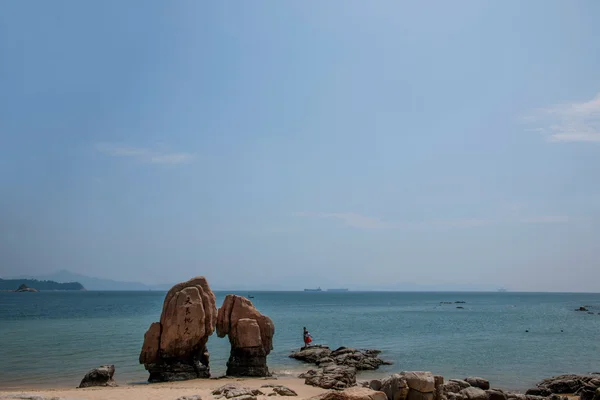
(250, 334)
(174, 349)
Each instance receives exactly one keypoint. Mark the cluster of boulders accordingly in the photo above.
(174, 349)
(587, 387)
(336, 368)
(426, 386)
(236, 391)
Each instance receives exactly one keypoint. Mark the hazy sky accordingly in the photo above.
(364, 144)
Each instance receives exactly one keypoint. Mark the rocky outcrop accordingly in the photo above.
(237, 391)
(355, 393)
(250, 335)
(331, 377)
(101, 376)
(567, 384)
(474, 393)
(359, 359)
(174, 349)
(410, 385)
(478, 382)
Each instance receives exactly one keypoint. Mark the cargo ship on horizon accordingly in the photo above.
(314, 290)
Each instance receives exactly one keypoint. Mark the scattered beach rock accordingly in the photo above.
(421, 381)
(193, 397)
(236, 391)
(395, 387)
(359, 359)
(284, 391)
(474, 393)
(355, 393)
(174, 349)
(496, 394)
(331, 377)
(544, 392)
(250, 335)
(455, 386)
(478, 382)
(582, 308)
(101, 376)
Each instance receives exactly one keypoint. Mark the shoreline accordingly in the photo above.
(165, 390)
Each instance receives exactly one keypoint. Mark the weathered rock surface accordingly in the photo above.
(455, 386)
(410, 385)
(174, 349)
(355, 393)
(395, 387)
(496, 394)
(474, 393)
(193, 397)
(331, 377)
(589, 391)
(101, 376)
(250, 335)
(478, 382)
(359, 359)
(236, 391)
(284, 391)
(421, 381)
(568, 384)
(544, 392)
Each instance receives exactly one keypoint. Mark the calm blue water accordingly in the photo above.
(53, 338)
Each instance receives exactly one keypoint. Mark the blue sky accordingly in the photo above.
(291, 144)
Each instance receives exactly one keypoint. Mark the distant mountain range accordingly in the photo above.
(90, 283)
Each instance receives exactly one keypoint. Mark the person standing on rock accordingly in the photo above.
(307, 338)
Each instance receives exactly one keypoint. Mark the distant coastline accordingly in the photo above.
(10, 285)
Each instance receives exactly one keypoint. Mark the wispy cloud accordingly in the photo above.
(574, 122)
(546, 219)
(355, 220)
(144, 154)
(359, 221)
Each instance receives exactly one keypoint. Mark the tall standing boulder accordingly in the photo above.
(174, 349)
(250, 335)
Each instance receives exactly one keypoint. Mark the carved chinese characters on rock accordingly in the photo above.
(175, 347)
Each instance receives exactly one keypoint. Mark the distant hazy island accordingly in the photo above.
(12, 284)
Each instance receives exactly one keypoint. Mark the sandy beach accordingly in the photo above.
(165, 391)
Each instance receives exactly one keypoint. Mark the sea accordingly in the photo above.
(51, 339)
